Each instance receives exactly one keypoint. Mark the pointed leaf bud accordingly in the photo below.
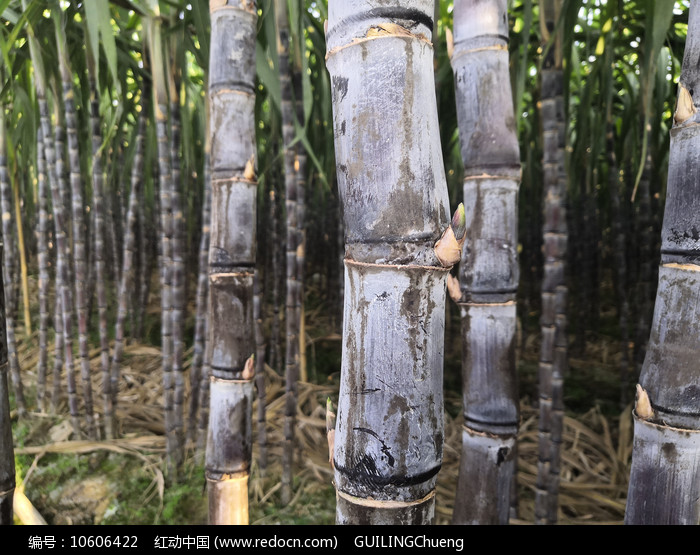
(642, 405)
(448, 249)
(249, 172)
(330, 430)
(453, 288)
(450, 42)
(249, 368)
(685, 108)
(459, 222)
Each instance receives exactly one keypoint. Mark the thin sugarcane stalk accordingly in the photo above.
(7, 264)
(99, 254)
(196, 369)
(79, 229)
(232, 258)
(127, 275)
(178, 262)
(43, 259)
(553, 353)
(22, 261)
(166, 238)
(260, 372)
(58, 336)
(389, 426)
(664, 485)
(489, 270)
(7, 455)
(290, 196)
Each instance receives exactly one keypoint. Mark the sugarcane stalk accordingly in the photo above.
(553, 352)
(7, 456)
(43, 260)
(79, 228)
(232, 258)
(389, 427)
(9, 341)
(489, 271)
(664, 485)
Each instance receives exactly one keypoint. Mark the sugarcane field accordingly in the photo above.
(324, 262)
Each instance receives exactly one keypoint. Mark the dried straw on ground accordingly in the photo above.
(595, 456)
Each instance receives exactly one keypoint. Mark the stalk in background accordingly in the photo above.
(291, 371)
(160, 102)
(232, 258)
(553, 352)
(127, 280)
(489, 270)
(664, 485)
(7, 455)
(43, 260)
(9, 341)
(389, 429)
(200, 327)
(79, 227)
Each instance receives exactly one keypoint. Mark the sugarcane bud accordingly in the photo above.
(325, 27)
(642, 405)
(448, 249)
(249, 368)
(685, 108)
(249, 172)
(453, 288)
(330, 430)
(449, 37)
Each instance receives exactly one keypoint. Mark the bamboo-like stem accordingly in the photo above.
(489, 270)
(79, 229)
(553, 353)
(232, 258)
(260, 372)
(161, 101)
(178, 265)
(7, 456)
(9, 341)
(99, 254)
(22, 261)
(43, 259)
(389, 426)
(664, 485)
(291, 372)
(200, 329)
(127, 276)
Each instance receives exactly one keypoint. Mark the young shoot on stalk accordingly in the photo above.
(448, 249)
(330, 429)
(249, 368)
(642, 405)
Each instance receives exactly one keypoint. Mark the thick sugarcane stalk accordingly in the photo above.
(9, 341)
(43, 260)
(79, 228)
(665, 474)
(553, 352)
(291, 371)
(232, 256)
(489, 267)
(389, 427)
(127, 276)
(7, 455)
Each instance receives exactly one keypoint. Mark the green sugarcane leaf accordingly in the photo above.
(267, 76)
(98, 22)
